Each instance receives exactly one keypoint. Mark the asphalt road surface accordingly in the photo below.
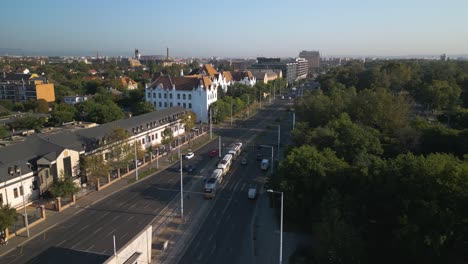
(226, 236)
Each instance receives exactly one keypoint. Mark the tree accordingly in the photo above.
(441, 95)
(94, 167)
(3, 131)
(167, 136)
(143, 108)
(42, 106)
(7, 216)
(63, 113)
(305, 174)
(100, 110)
(119, 149)
(188, 120)
(64, 187)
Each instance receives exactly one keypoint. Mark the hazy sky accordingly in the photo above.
(236, 28)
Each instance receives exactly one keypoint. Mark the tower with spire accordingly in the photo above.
(137, 54)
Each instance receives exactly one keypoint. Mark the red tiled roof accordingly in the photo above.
(227, 75)
(210, 70)
(180, 83)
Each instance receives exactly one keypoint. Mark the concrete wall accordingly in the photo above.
(141, 244)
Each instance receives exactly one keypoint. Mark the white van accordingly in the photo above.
(265, 164)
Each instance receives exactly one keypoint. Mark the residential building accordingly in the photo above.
(195, 93)
(21, 87)
(265, 76)
(312, 57)
(243, 77)
(128, 83)
(74, 99)
(30, 167)
(302, 67)
(207, 70)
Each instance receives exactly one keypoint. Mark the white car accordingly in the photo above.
(190, 155)
(252, 192)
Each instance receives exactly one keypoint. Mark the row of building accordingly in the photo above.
(29, 168)
(195, 91)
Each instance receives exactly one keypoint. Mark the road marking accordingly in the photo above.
(124, 235)
(242, 188)
(111, 232)
(61, 242)
(130, 218)
(210, 238)
(83, 228)
(90, 247)
(115, 218)
(97, 230)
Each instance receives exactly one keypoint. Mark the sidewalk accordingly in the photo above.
(54, 218)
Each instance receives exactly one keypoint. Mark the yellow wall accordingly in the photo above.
(46, 92)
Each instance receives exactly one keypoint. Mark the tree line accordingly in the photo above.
(375, 171)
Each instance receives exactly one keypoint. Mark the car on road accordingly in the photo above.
(213, 153)
(244, 161)
(191, 168)
(252, 192)
(259, 156)
(189, 155)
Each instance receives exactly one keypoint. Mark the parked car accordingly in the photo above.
(189, 155)
(213, 153)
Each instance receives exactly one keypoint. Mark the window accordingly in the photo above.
(178, 96)
(165, 96)
(152, 137)
(160, 104)
(21, 190)
(170, 96)
(190, 97)
(142, 141)
(190, 105)
(178, 103)
(15, 192)
(154, 104)
(1, 198)
(185, 105)
(170, 104)
(154, 95)
(165, 104)
(183, 96)
(156, 135)
(159, 95)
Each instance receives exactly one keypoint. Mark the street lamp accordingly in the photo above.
(136, 159)
(281, 226)
(272, 160)
(181, 188)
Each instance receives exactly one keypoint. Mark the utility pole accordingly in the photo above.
(136, 159)
(211, 125)
(231, 111)
(181, 189)
(279, 140)
(219, 152)
(294, 120)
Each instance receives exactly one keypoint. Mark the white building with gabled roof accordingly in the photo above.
(195, 93)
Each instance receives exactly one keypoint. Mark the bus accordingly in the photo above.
(225, 163)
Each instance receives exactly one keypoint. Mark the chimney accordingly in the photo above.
(167, 53)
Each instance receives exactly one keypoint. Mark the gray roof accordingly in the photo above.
(49, 146)
(86, 139)
(25, 152)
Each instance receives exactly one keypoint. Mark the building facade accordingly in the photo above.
(312, 57)
(31, 167)
(75, 99)
(195, 93)
(20, 87)
(288, 69)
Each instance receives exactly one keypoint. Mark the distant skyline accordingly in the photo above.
(236, 29)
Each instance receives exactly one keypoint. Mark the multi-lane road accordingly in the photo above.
(226, 234)
(128, 211)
